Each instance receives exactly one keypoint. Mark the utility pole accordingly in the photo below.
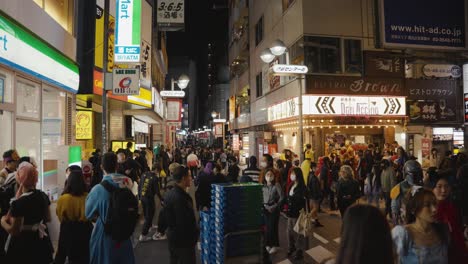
(104, 68)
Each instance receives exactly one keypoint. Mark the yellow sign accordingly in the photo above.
(84, 125)
(144, 99)
(98, 57)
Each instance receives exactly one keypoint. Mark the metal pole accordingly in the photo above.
(301, 134)
(300, 77)
(104, 67)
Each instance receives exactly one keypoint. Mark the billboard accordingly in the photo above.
(170, 14)
(127, 31)
(423, 23)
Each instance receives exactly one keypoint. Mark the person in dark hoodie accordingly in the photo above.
(147, 189)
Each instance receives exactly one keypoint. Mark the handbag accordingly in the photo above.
(303, 224)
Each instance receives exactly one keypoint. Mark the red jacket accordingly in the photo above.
(448, 214)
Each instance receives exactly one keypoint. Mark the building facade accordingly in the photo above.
(364, 85)
(39, 78)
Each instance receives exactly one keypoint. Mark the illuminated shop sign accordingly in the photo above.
(128, 31)
(339, 106)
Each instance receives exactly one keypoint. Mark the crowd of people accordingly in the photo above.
(427, 209)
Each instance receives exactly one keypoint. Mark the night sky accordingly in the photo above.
(203, 24)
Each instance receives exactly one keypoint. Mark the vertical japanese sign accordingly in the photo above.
(128, 31)
(145, 67)
(426, 151)
(99, 40)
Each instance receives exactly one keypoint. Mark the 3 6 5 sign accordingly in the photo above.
(126, 82)
(128, 31)
(170, 11)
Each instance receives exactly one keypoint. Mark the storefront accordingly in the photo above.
(331, 122)
(37, 87)
(435, 121)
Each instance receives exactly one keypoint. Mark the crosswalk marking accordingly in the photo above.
(319, 253)
(320, 238)
(286, 261)
(337, 240)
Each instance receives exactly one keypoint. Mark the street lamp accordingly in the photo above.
(182, 82)
(214, 114)
(278, 48)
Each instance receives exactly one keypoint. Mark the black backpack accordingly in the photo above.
(122, 213)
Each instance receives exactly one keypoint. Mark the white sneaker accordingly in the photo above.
(159, 236)
(273, 250)
(268, 249)
(143, 238)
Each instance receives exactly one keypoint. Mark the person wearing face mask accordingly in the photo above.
(296, 199)
(272, 199)
(447, 213)
(267, 164)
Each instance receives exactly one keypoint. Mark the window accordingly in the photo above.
(259, 31)
(353, 56)
(332, 55)
(322, 55)
(28, 98)
(60, 10)
(258, 85)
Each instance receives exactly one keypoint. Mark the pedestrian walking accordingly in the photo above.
(75, 229)
(193, 164)
(297, 200)
(272, 201)
(347, 189)
(182, 230)
(147, 189)
(104, 249)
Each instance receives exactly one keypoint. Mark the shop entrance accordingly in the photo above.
(351, 140)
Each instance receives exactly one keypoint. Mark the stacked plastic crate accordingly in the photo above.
(205, 230)
(235, 208)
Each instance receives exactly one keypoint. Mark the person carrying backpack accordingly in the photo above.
(147, 189)
(114, 208)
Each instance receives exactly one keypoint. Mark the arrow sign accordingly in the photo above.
(287, 69)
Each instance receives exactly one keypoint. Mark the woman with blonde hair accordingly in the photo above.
(347, 189)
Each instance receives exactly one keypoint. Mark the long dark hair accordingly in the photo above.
(365, 237)
(75, 183)
(299, 177)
